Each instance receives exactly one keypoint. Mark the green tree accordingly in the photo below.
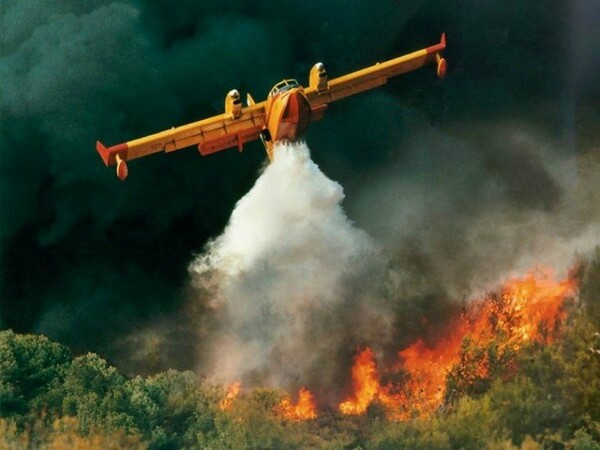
(95, 393)
(472, 424)
(586, 439)
(581, 360)
(525, 408)
(174, 409)
(590, 290)
(29, 365)
(410, 435)
(580, 348)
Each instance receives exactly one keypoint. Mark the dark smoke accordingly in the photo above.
(477, 158)
(74, 72)
(474, 214)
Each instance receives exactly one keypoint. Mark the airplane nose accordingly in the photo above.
(292, 108)
(297, 112)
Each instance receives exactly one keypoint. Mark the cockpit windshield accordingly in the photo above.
(283, 86)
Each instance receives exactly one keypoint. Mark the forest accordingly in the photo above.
(539, 396)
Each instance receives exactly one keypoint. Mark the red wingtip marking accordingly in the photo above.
(103, 152)
(437, 47)
(109, 154)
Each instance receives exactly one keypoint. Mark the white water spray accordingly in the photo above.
(288, 279)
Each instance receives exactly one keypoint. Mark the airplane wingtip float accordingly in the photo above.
(284, 115)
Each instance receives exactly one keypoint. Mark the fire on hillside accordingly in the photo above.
(478, 344)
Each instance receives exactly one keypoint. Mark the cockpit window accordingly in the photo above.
(283, 86)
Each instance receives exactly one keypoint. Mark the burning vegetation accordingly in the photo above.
(479, 345)
(484, 339)
(519, 366)
(304, 409)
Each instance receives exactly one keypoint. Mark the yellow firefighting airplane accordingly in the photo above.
(284, 115)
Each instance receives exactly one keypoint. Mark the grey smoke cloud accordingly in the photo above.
(479, 209)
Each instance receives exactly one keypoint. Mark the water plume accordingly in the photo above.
(289, 281)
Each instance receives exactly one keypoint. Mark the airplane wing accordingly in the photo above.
(322, 92)
(231, 129)
(240, 125)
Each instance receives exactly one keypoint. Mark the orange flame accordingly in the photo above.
(526, 309)
(232, 392)
(366, 383)
(532, 306)
(304, 409)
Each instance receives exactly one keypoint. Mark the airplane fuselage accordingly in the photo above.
(288, 114)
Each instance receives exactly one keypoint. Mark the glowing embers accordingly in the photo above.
(484, 339)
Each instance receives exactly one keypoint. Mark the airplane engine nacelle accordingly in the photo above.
(233, 104)
(318, 77)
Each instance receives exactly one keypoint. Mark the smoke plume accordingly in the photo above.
(474, 214)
